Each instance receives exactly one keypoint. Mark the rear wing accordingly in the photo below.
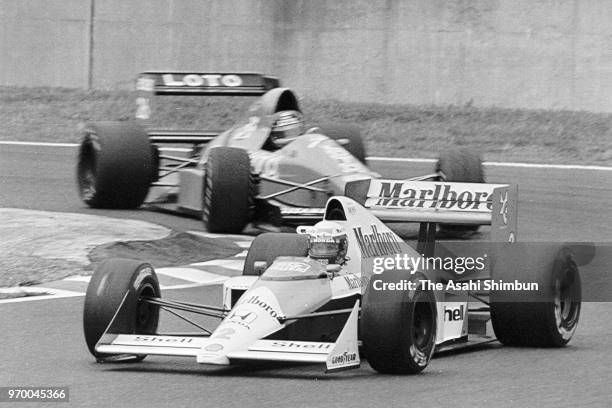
(441, 202)
(151, 83)
(192, 83)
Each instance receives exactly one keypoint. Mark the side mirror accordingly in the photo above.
(260, 266)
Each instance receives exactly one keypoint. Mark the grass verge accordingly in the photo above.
(562, 137)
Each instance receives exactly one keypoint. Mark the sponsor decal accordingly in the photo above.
(211, 80)
(344, 358)
(164, 340)
(301, 345)
(454, 314)
(442, 196)
(214, 347)
(256, 300)
(376, 243)
(243, 318)
(300, 267)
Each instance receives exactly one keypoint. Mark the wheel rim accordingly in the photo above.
(88, 189)
(146, 313)
(422, 325)
(566, 301)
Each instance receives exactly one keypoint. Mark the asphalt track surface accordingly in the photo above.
(41, 342)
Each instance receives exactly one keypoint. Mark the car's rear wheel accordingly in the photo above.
(460, 165)
(228, 190)
(269, 246)
(348, 136)
(398, 327)
(114, 280)
(546, 317)
(116, 165)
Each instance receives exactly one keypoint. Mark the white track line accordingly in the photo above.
(39, 144)
(375, 158)
(498, 164)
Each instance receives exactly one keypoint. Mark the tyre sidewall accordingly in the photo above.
(529, 318)
(113, 281)
(227, 192)
(387, 330)
(122, 161)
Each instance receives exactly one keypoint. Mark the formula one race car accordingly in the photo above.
(266, 169)
(319, 296)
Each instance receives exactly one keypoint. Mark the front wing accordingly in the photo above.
(343, 354)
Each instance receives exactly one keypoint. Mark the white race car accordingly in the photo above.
(321, 295)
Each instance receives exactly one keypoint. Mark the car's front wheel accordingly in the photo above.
(120, 284)
(228, 190)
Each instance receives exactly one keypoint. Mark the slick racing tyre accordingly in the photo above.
(116, 165)
(269, 246)
(398, 327)
(547, 317)
(228, 197)
(460, 165)
(348, 136)
(111, 281)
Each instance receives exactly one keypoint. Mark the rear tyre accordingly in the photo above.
(228, 193)
(112, 280)
(116, 165)
(546, 318)
(398, 327)
(349, 136)
(460, 165)
(269, 246)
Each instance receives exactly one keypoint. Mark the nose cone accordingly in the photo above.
(254, 317)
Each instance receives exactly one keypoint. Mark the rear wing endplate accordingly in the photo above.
(441, 202)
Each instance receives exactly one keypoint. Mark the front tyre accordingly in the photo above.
(113, 280)
(398, 327)
(228, 190)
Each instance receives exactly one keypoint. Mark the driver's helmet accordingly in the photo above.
(328, 243)
(286, 124)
